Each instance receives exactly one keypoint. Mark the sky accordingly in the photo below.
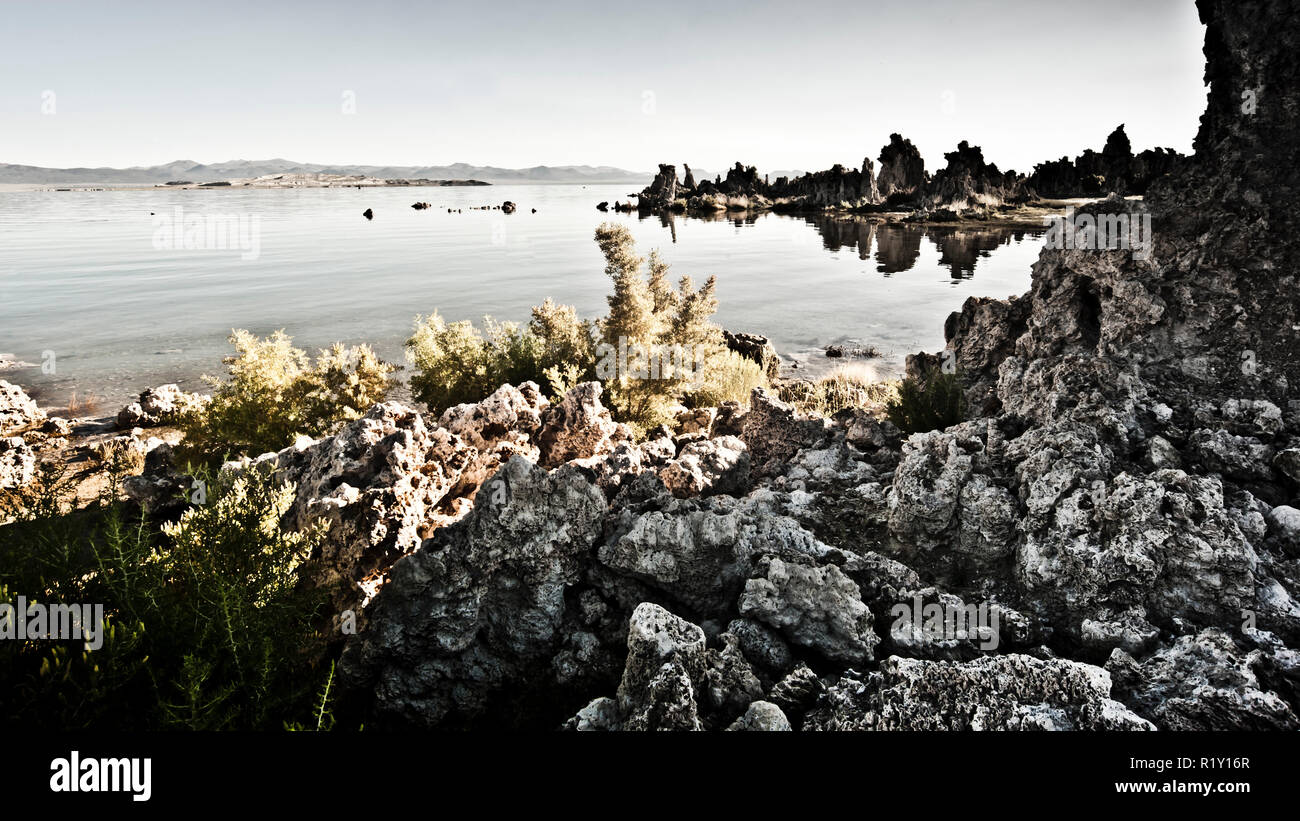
(780, 85)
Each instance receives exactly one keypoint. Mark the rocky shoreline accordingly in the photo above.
(965, 188)
(1119, 514)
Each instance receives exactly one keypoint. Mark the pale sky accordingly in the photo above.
(498, 82)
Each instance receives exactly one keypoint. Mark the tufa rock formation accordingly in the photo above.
(1110, 541)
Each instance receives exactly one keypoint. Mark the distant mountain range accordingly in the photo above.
(191, 171)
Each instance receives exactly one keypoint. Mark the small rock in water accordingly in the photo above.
(857, 351)
(368, 214)
(508, 207)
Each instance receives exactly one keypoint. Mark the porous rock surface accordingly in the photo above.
(1121, 497)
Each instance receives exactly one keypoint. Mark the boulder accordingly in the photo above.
(17, 410)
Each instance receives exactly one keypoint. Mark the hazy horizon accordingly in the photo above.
(517, 86)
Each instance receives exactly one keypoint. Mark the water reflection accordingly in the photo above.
(897, 246)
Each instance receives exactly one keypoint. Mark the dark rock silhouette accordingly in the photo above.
(902, 171)
(968, 181)
(1114, 170)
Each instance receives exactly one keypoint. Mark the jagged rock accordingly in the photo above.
(902, 171)
(478, 608)
(728, 419)
(1287, 463)
(17, 410)
(762, 645)
(968, 181)
(1114, 170)
(815, 607)
(1201, 682)
(989, 329)
(757, 349)
(160, 488)
(762, 716)
(774, 432)
(375, 486)
(798, 691)
(663, 191)
(718, 465)
(702, 555)
(924, 501)
(668, 703)
(729, 683)
(163, 405)
(503, 425)
(665, 658)
(1237, 457)
(1284, 526)
(577, 427)
(836, 186)
(17, 463)
(600, 715)
(1012, 692)
(695, 420)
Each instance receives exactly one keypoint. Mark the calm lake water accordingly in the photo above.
(82, 275)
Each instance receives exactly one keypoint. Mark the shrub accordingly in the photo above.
(204, 624)
(457, 363)
(275, 393)
(726, 376)
(647, 315)
(657, 346)
(935, 402)
(234, 568)
(845, 387)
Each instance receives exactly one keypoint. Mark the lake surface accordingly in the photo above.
(89, 284)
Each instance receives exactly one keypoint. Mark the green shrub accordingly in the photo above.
(935, 402)
(205, 624)
(457, 363)
(647, 315)
(656, 347)
(275, 393)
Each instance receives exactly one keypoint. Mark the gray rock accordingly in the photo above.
(479, 608)
(815, 607)
(1012, 692)
(1201, 682)
(762, 716)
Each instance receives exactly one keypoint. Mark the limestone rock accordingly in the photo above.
(17, 410)
(815, 607)
(1012, 692)
(162, 405)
